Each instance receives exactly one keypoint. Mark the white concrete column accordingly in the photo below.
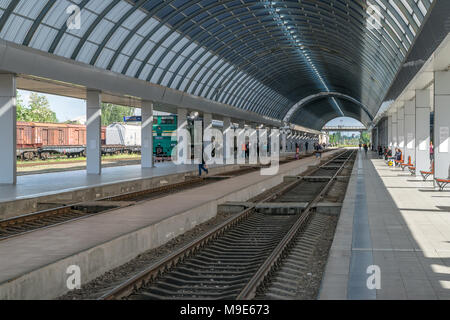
(401, 129)
(93, 132)
(147, 135)
(283, 142)
(227, 145)
(207, 124)
(441, 123)
(207, 121)
(8, 127)
(410, 130)
(394, 131)
(390, 136)
(182, 154)
(423, 107)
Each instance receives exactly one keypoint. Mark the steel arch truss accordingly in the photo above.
(261, 56)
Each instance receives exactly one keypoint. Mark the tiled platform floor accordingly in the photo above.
(397, 222)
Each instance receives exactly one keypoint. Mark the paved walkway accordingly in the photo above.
(396, 222)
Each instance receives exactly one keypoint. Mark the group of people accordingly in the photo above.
(388, 154)
(365, 146)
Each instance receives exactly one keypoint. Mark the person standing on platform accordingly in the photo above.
(366, 148)
(431, 151)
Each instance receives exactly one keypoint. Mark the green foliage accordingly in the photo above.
(112, 113)
(365, 138)
(342, 140)
(38, 109)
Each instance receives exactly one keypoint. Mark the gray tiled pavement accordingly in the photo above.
(394, 221)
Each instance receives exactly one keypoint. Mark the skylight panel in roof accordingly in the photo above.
(30, 8)
(132, 44)
(101, 31)
(132, 21)
(160, 33)
(145, 50)
(97, 6)
(43, 38)
(145, 72)
(134, 67)
(118, 11)
(57, 15)
(180, 44)
(104, 58)
(148, 27)
(87, 51)
(117, 38)
(66, 46)
(4, 3)
(167, 58)
(16, 29)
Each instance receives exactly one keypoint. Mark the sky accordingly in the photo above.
(74, 109)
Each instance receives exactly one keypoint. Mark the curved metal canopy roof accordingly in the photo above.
(263, 56)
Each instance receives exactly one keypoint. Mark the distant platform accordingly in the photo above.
(41, 191)
(396, 222)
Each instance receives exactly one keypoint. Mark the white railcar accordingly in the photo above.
(123, 134)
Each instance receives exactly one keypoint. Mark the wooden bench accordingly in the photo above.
(412, 169)
(426, 174)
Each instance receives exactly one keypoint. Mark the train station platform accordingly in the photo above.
(397, 223)
(43, 191)
(34, 265)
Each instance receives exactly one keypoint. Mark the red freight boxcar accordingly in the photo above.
(52, 134)
(31, 136)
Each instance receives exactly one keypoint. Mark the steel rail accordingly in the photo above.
(251, 288)
(153, 271)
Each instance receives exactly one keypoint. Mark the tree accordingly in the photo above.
(112, 113)
(38, 109)
(365, 138)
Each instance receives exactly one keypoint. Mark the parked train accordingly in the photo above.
(46, 140)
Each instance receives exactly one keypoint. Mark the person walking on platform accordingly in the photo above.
(202, 165)
(366, 148)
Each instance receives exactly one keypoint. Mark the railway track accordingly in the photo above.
(239, 257)
(20, 225)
